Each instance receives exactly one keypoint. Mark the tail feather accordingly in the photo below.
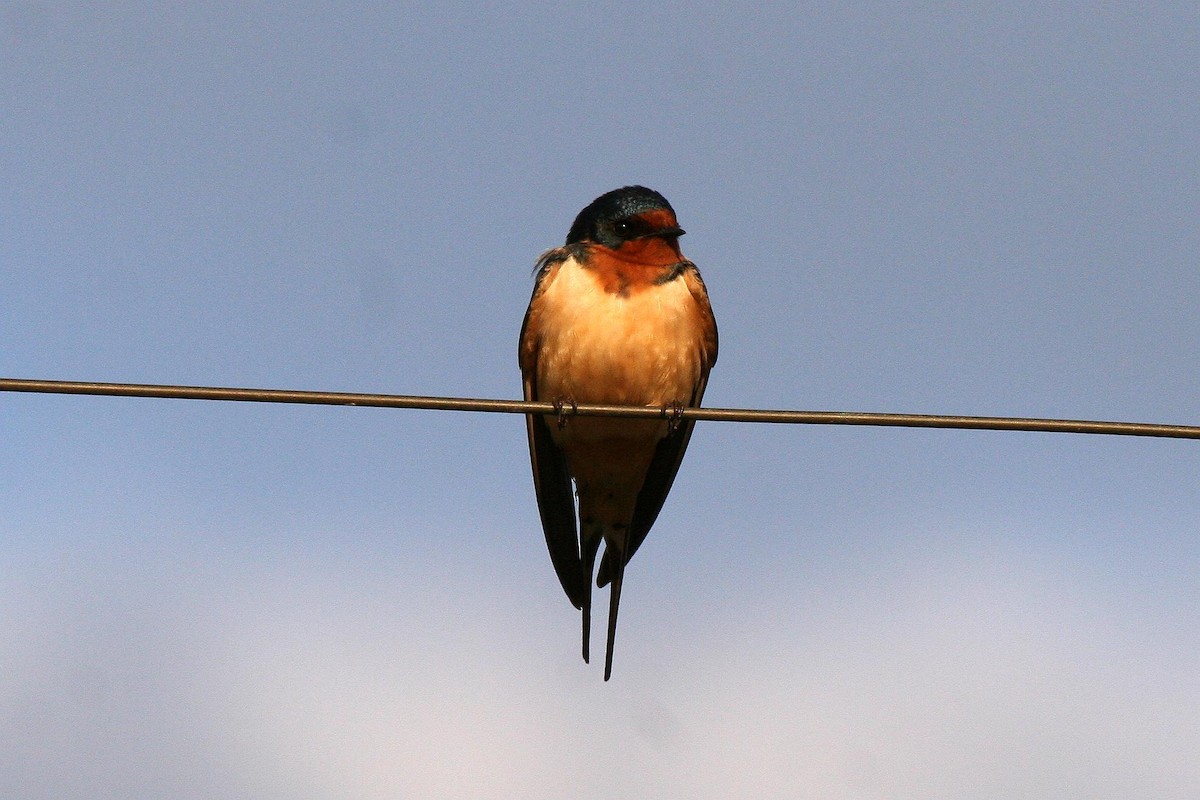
(614, 603)
(588, 547)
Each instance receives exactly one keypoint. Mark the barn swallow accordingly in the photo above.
(618, 316)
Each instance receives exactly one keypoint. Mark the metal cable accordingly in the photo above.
(590, 410)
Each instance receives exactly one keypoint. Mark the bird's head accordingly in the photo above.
(625, 217)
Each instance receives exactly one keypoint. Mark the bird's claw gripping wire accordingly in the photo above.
(561, 412)
(674, 415)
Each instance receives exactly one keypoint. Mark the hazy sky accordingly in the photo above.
(931, 208)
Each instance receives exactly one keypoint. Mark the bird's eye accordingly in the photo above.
(623, 228)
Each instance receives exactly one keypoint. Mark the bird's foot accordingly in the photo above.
(560, 409)
(674, 415)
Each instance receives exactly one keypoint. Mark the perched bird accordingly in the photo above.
(618, 316)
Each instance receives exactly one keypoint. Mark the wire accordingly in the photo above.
(590, 410)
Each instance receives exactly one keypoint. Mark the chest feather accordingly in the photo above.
(598, 346)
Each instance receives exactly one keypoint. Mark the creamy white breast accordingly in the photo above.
(643, 348)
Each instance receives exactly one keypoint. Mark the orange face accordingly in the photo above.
(653, 248)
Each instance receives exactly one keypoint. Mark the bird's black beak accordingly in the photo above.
(663, 233)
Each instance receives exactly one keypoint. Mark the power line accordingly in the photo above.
(590, 410)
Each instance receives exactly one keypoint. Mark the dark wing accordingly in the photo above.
(551, 480)
(669, 453)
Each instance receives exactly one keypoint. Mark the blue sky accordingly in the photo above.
(903, 207)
